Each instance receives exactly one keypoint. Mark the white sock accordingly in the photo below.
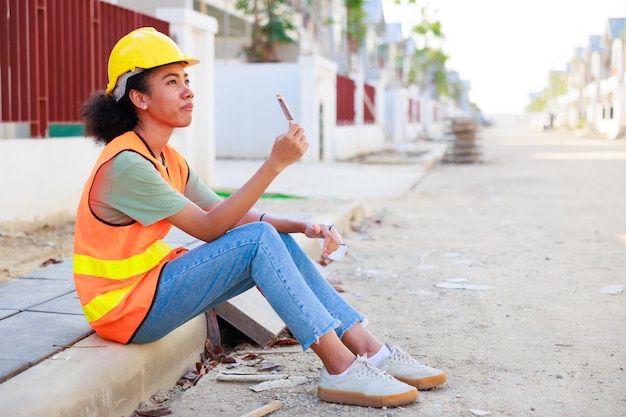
(380, 356)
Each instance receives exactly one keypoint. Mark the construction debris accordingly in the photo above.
(461, 284)
(266, 409)
(612, 289)
(463, 146)
(291, 381)
(226, 376)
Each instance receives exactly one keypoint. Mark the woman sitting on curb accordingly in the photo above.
(134, 288)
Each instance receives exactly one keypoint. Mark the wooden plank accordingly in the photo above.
(466, 136)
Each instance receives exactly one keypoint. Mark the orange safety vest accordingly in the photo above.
(117, 267)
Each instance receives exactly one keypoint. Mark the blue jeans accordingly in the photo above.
(249, 255)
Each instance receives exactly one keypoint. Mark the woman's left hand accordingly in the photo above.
(332, 239)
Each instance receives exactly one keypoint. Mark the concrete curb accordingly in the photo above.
(95, 377)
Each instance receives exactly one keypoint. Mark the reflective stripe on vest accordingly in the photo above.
(124, 268)
(104, 303)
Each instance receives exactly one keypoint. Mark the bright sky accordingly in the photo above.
(507, 48)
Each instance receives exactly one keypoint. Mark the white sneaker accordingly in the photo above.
(403, 367)
(365, 385)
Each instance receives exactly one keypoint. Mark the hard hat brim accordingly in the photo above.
(188, 62)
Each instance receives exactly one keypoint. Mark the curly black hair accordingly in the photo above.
(105, 118)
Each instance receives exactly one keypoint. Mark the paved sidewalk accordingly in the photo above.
(51, 363)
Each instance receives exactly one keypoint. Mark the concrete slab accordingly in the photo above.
(33, 336)
(253, 316)
(10, 367)
(4, 313)
(21, 294)
(65, 304)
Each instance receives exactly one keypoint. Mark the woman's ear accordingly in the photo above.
(138, 99)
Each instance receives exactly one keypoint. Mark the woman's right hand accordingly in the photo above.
(288, 147)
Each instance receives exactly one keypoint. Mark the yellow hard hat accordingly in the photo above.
(143, 48)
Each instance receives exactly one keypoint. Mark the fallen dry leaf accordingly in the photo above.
(50, 261)
(284, 342)
(338, 288)
(268, 367)
(251, 356)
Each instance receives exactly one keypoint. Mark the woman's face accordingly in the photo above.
(170, 101)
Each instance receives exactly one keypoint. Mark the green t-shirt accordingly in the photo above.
(128, 188)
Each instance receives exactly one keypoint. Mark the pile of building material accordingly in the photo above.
(463, 143)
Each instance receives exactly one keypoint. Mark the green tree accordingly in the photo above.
(428, 69)
(356, 27)
(557, 86)
(428, 66)
(272, 25)
(538, 103)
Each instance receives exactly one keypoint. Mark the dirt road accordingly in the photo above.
(533, 235)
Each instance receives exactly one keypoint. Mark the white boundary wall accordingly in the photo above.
(42, 179)
(248, 118)
(399, 130)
